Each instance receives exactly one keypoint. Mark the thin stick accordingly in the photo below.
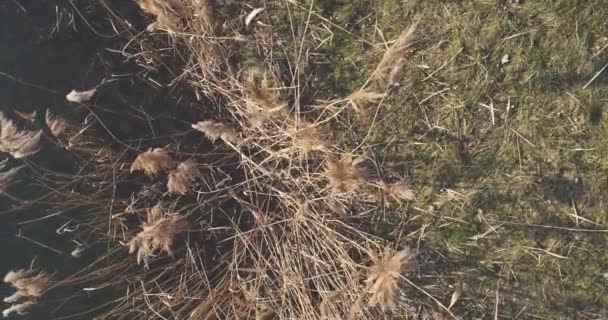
(595, 77)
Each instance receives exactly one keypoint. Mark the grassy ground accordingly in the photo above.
(508, 157)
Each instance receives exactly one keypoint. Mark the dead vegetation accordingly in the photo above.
(153, 162)
(30, 285)
(157, 234)
(481, 128)
(18, 143)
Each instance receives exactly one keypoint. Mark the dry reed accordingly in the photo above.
(181, 178)
(384, 275)
(152, 162)
(157, 234)
(28, 283)
(19, 143)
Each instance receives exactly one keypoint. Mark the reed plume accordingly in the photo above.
(19, 309)
(167, 12)
(384, 275)
(157, 234)
(343, 174)
(19, 143)
(390, 67)
(28, 283)
(182, 178)
(56, 125)
(362, 99)
(306, 138)
(152, 162)
(216, 130)
(80, 96)
(7, 178)
(396, 191)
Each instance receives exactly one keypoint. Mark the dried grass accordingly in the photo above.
(152, 162)
(397, 191)
(362, 99)
(167, 12)
(390, 67)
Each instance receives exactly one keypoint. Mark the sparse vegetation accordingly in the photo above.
(335, 160)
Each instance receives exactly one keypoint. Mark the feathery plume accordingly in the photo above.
(80, 96)
(7, 178)
(362, 99)
(157, 234)
(19, 143)
(383, 278)
(56, 125)
(262, 103)
(216, 130)
(397, 191)
(19, 309)
(167, 12)
(306, 138)
(29, 117)
(28, 283)
(152, 162)
(182, 177)
(343, 174)
(390, 67)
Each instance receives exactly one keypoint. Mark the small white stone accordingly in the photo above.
(505, 59)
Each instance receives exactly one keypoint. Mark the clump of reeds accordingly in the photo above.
(384, 275)
(343, 174)
(152, 162)
(157, 234)
(18, 143)
(181, 179)
(286, 248)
